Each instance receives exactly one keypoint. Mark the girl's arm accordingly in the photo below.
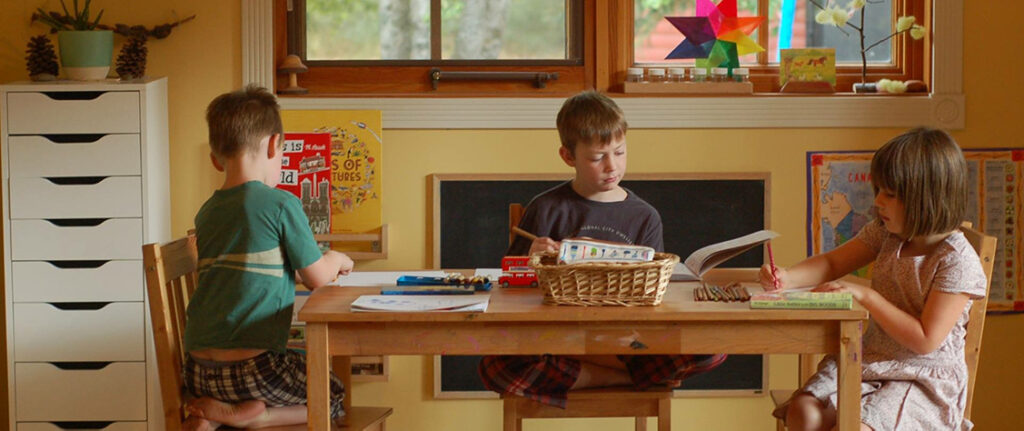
(820, 268)
(941, 312)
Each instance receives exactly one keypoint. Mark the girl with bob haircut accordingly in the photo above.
(925, 277)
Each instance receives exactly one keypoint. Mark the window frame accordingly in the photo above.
(942, 107)
(411, 78)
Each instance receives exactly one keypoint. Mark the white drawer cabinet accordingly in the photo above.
(85, 184)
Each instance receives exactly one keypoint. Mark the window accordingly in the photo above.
(791, 24)
(393, 46)
(388, 47)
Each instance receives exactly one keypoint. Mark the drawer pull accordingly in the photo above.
(72, 306)
(73, 95)
(77, 264)
(77, 222)
(75, 138)
(75, 181)
(71, 366)
(82, 425)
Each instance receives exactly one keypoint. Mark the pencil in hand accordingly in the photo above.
(523, 233)
(775, 270)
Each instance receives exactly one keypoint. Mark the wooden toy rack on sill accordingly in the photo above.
(378, 239)
(709, 88)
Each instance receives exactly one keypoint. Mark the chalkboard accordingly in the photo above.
(696, 210)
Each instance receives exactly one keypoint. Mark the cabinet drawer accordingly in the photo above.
(45, 333)
(43, 392)
(35, 113)
(38, 156)
(44, 240)
(47, 426)
(81, 197)
(76, 281)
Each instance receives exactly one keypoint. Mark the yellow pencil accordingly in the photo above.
(524, 233)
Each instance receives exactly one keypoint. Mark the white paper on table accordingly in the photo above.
(492, 273)
(379, 278)
(421, 303)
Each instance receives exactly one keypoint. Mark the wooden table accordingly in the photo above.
(517, 322)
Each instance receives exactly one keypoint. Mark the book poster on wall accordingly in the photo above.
(840, 202)
(354, 140)
(306, 173)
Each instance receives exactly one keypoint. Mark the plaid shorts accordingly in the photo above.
(278, 379)
(547, 378)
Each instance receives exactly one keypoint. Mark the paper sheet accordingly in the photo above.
(379, 278)
(421, 303)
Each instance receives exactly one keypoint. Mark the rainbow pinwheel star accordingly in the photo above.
(716, 36)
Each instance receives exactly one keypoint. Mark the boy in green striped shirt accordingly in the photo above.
(252, 238)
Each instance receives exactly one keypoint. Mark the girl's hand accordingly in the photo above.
(857, 290)
(773, 281)
(544, 244)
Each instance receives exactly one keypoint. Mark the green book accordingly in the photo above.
(803, 300)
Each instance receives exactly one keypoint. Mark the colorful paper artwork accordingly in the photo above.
(355, 161)
(840, 203)
(716, 37)
(807, 65)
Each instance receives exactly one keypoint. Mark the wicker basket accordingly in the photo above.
(603, 283)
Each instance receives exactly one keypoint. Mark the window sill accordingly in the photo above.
(757, 111)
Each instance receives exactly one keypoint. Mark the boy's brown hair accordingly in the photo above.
(926, 170)
(589, 117)
(240, 119)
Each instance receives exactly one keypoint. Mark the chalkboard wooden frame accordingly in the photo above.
(435, 257)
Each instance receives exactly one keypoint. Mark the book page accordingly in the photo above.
(421, 303)
(681, 273)
(700, 261)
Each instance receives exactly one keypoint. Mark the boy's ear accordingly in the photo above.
(216, 163)
(272, 148)
(567, 156)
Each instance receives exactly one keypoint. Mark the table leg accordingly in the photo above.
(848, 418)
(318, 369)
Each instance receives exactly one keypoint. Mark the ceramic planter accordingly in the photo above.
(86, 55)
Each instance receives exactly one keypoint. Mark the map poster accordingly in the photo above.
(355, 163)
(840, 203)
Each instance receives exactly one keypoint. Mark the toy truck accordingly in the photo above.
(515, 271)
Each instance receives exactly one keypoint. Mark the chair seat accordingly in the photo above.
(359, 418)
(595, 403)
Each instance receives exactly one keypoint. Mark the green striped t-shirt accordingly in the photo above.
(251, 239)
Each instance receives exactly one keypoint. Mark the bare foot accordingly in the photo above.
(196, 423)
(236, 415)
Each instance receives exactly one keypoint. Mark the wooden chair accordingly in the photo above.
(171, 279)
(588, 403)
(985, 246)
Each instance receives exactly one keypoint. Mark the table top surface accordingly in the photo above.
(525, 305)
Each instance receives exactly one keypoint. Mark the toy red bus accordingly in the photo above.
(515, 271)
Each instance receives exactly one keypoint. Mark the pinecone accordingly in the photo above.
(131, 62)
(41, 61)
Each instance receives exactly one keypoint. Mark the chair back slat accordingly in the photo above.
(515, 214)
(170, 281)
(985, 246)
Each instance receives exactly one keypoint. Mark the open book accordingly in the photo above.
(702, 260)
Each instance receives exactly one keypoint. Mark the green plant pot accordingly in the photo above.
(86, 55)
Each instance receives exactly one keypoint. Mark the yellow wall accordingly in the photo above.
(203, 59)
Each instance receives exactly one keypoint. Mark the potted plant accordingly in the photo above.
(85, 49)
(839, 17)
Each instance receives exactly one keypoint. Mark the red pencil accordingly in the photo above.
(771, 261)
